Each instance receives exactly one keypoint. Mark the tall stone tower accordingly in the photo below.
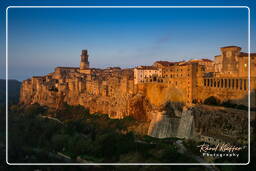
(230, 56)
(84, 63)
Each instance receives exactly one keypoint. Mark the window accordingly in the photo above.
(245, 86)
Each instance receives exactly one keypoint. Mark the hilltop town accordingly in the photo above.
(193, 81)
(144, 92)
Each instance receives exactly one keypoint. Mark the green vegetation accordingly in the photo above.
(92, 138)
(40, 134)
(216, 102)
(212, 101)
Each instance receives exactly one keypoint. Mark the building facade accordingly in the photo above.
(225, 78)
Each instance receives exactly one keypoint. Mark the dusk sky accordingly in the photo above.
(41, 39)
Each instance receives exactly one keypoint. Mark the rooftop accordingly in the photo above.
(165, 63)
(146, 67)
(228, 47)
(242, 54)
(68, 67)
(200, 60)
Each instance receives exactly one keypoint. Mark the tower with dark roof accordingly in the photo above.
(84, 63)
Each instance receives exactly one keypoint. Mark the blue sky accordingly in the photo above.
(41, 39)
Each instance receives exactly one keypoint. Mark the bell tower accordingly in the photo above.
(230, 56)
(84, 63)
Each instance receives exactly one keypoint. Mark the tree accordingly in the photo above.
(211, 101)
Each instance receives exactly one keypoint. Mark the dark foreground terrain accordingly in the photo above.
(38, 134)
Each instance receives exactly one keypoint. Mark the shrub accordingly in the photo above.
(242, 107)
(211, 101)
(34, 109)
(228, 104)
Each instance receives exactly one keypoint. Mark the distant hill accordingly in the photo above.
(13, 91)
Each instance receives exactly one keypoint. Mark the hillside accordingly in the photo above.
(14, 89)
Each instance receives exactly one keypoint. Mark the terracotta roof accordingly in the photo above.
(165, 63)
(68, 67)
(208, 60)
(246, 54)
(113, 68)
(199, 60)
(146, 68)
(183, 64)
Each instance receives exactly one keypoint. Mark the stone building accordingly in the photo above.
(225, 78)
(229, 82)
(207, 63)
(182, 76)
(163, 64)
(144, 74)
(121, 92)
(145, 92)
(84, 64)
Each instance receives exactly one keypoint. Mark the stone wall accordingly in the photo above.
(233, 89)
(114, 96)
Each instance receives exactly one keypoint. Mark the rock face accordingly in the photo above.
(107, 91)
(186, 125)
(200, 121)
(163, 125)
(113, 92)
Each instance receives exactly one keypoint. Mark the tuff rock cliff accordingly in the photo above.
(156, 105)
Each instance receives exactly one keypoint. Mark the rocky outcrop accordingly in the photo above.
(105, 93)
(160, 107)
(195, 122)
(186, 125)
(163, 125)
